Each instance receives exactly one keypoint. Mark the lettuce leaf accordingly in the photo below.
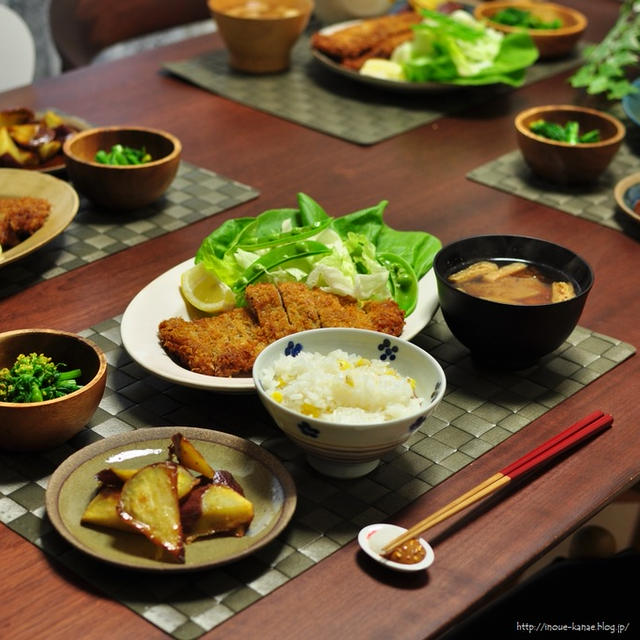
(352, 267)
(458, 49)
(416, 247)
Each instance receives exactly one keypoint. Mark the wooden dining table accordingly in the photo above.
(423, 174)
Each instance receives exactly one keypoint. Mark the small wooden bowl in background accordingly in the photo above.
(627, 195)
(35, 426)
(122, 187)
(260, 43)
(551, 43)
(565, 163)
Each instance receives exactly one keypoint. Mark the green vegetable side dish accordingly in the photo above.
(356, 254)
(569, 133)
(606, 64)
(122, 155)
(458, 49)
(35, 378)
(513, 17)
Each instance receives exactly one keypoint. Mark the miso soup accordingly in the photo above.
(513, 282)
(262, 9)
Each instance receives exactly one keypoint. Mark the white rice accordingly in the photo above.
(340, 387)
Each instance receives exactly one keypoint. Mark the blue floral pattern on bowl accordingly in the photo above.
(293, 348)
(388, 352)
(308, 430)
(417, 423)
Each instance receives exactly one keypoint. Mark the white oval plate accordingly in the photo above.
(161, 299)
(374, 537)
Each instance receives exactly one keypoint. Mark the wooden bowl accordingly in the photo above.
(122, 187)
(35, 426)
(551, 43)
(564, 163)
(627, 195)
(260, 42)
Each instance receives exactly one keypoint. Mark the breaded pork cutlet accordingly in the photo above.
(385, 316)
(339, 311)
(299, 304)
(356, 40)
(223, 345)
(21, 218)
(265, 303)
(228, 344)
(382, 49)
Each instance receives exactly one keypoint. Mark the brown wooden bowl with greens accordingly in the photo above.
(28, 420)
(578, 155)
(122, 186)
(557, 28)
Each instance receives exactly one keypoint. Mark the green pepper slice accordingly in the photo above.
(403, 281)
(275, 258)
(266, 231)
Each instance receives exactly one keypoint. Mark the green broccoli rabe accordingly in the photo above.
(122, 155)
(569, 133)
(34, 378)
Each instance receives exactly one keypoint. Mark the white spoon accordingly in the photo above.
(374, 537)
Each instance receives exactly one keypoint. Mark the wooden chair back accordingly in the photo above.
(83, 28)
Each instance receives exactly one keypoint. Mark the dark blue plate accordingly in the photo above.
(631, 104)
(627, 195)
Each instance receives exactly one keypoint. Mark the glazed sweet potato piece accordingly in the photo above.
(11, 155)
(20, 115)
(103, 510)
(189, 456)
(215, 508)
(115, 477)
(149, 502)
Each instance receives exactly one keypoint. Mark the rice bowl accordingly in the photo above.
(343, 415)
(341, 387)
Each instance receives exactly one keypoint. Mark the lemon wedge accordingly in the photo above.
(205, 291)
(382, 68)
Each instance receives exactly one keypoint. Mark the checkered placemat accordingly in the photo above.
(595, 202)
(195, 194)
(480, 409)
(321, 99)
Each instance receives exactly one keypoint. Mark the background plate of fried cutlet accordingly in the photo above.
(161, 299)
(382, 83)
(20, 183)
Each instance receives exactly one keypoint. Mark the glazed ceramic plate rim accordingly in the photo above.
(394, 85)
(161, 299)
(363, 540)
(99, 450)
(64, 206)
(621, 189)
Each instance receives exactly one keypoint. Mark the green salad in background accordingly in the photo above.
(458, 49)
(357, 254)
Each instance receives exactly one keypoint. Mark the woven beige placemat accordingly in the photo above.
(595, 202)
(481, 408)
(321, 99)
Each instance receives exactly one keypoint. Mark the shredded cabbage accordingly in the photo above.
(459, 49)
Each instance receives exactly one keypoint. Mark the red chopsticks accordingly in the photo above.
(589, 425)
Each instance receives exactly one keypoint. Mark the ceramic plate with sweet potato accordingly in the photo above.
(184, 537)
